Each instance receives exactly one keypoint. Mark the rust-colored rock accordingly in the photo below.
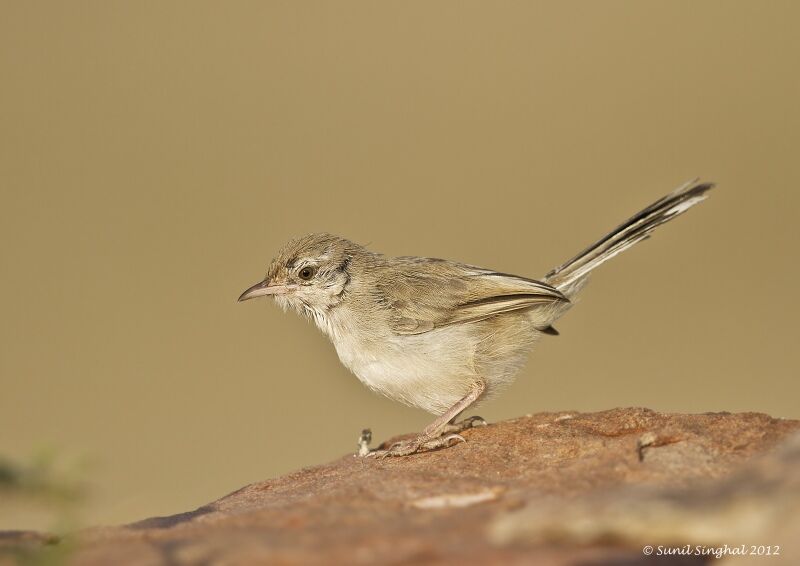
(463, 504)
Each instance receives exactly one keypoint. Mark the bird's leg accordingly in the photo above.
(435, 435)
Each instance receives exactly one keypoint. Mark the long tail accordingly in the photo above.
(569, 277)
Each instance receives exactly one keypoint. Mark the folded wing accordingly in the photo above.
(423, 294)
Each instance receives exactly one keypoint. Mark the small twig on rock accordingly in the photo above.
(363, 442)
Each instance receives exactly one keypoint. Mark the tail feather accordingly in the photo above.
(570, 275)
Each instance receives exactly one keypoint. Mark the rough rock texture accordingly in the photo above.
(749, 515)
(552, 488)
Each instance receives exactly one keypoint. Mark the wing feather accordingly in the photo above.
(424, 294)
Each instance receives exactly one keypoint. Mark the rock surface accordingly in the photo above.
(551, 488)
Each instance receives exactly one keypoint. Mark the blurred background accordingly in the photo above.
(155, 155)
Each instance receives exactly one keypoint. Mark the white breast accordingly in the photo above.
(431, 371)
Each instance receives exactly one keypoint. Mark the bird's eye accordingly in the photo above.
(306, 273)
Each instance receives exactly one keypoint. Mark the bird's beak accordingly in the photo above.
(265, 288)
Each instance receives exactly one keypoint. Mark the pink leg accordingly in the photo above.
(432, 437)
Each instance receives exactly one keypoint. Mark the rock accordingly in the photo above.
(551, 489)
(746, 516)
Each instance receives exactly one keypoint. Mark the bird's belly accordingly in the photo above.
(431, 371)
(435, 369)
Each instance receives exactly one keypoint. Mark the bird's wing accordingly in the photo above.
(422, 294)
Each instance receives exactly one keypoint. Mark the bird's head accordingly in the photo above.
(309, 274)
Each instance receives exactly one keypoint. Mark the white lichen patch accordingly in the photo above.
(456, 499)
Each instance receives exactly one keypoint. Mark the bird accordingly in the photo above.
(436, 334)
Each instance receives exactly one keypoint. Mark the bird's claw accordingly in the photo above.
(464, 424)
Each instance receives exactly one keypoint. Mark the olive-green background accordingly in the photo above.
(154, 155)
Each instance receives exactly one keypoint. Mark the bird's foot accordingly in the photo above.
(464, 424)
(432, 440)
(417, 445)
